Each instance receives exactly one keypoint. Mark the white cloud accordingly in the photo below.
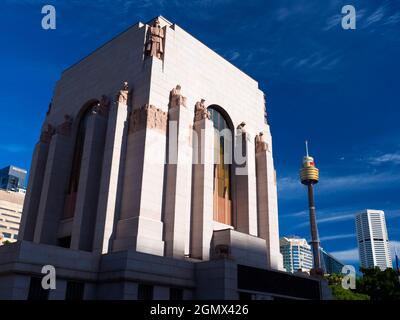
(393, 158)
(282, 14)
(13, 148)
(290, 187)
(337, 236)
(394, 246)
(335, 217)
(376, 16)
(349, 255)
(332, 22)
(393, 19)
(296, 214)
(235, 55)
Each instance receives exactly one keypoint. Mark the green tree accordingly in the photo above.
(340, 293)
(347, 294)
(378, 284)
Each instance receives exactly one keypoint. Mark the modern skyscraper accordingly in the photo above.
(13, 178)
(373, 241)
(297, 254)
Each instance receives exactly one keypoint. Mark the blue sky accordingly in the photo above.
(338, 88)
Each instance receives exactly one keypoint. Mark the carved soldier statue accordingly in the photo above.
(45, 136)
(123, 93)
(261, 145)
(102, 107)
(154, 46)
(201, 111)
(241, 129)
(175, 98)
(66, 126)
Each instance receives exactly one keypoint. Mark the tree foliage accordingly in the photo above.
(378, 284)
(347, 294)
(340, 293)
(374, 284)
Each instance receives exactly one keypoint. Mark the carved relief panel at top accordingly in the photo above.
(148, 117)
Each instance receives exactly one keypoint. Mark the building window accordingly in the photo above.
(64, 242)
(245, 296)
(145, 292)
(222, 169)
(75, 291)
(175, 294)
(36, 291)
(70, 200)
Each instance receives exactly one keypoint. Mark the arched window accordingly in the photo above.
(73, 184)
(222, 167)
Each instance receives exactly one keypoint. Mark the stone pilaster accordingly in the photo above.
(140, 224)
(54, 184)
(202, 196)
(245, 177)
(113, 150)
(89, 183)
(267, 201)
(178, 183)
(35, 184)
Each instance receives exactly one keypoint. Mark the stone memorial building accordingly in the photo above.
(153, 178)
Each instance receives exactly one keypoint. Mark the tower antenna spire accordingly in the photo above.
(307, 147)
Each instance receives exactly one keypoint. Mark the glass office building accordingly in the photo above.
(329, 263)
(13, 179)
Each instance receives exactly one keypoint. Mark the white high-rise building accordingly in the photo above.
(297, 254)
(10, 215)
(373, 241)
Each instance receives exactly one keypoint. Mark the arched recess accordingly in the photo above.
(223, 185)
(73, 182)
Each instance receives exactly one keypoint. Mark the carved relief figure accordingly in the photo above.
(45, 136)
(201, 111)
(65, 128)
(175, 98)
(241, 128)
(154, 46)
(103, 106)
(261, 145)
(148, 116)
(123, 93)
